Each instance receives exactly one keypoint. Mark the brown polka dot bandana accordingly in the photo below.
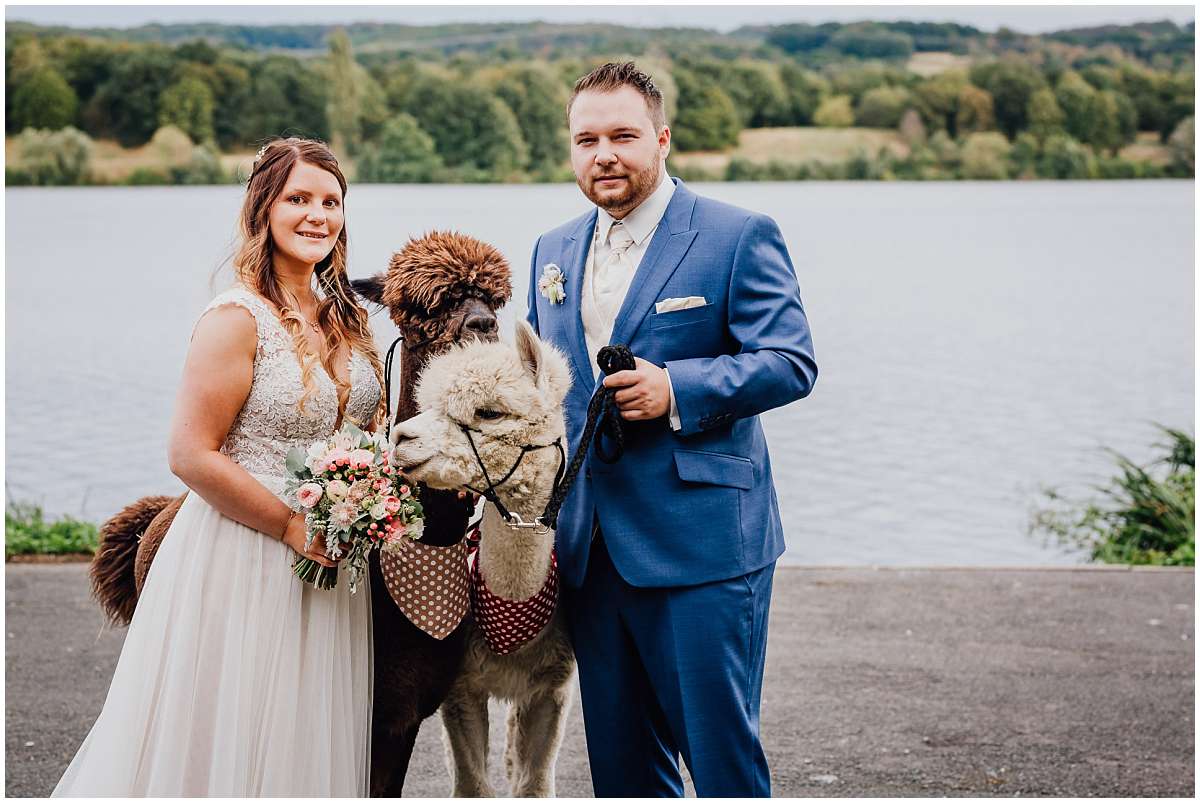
(428, 583)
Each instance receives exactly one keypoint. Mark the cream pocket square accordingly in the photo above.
(676, 304)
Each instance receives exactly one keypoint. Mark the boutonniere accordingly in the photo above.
(551, 284)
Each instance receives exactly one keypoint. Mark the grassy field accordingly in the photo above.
(761, 145)
(927, 64)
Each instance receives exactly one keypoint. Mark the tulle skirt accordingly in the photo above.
(235, 679)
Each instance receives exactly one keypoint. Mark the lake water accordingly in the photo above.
(976, 342)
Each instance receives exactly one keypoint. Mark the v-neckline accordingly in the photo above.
(341, 409)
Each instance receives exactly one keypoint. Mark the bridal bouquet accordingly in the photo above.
(350, 494)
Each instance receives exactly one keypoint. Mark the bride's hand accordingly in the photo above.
(294, 536)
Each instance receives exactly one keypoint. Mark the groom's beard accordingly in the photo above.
(638, 188)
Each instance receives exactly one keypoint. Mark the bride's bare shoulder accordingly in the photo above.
(227, 328)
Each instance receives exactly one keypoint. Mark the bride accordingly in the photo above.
(236, 678)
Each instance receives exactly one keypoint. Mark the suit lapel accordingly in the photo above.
(667, 249)
(575, 257)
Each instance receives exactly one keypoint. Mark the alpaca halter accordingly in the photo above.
(602, 420)
(514, 520)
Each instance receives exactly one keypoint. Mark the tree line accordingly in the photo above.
(500, 115)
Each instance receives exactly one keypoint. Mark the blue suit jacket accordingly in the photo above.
(695, 505)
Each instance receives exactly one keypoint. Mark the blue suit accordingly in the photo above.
(667, 555)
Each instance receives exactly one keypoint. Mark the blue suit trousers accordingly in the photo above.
(671, 671)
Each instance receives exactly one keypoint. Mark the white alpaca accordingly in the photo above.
(508, 397)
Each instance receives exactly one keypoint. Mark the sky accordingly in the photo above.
(1025, 18)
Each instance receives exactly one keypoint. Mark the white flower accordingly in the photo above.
(378, 511)
(344, 440)
(416, 528)
(337, 490)
(342, 515)
(550, 285)
(316, 457)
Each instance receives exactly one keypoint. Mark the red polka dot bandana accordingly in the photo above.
(428, 583)
(508, 625)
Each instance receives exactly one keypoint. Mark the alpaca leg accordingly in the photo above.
(389, 761)
(465, 727)
(535, 730)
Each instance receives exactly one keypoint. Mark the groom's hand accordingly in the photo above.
(644, 392)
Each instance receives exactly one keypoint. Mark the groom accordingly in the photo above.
(667, 555)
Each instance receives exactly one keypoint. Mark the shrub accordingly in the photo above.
(204, 167)
(1146, 515)
(48, 158)
(26, 532)
(985, 156)
(881, 107)
(834, 112)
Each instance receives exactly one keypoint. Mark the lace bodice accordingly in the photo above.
(270, 422)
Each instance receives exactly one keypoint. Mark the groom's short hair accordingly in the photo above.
(611, 77)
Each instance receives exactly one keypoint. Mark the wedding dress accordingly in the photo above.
(236, 678)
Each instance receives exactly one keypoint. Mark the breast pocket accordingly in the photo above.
(682, 317)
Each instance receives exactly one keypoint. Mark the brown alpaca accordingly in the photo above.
(440, 289)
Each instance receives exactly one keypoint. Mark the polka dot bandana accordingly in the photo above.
(428, 583)
(508, 625)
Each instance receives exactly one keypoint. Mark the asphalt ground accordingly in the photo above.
(879, 682)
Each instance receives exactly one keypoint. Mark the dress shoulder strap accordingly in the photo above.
(266, 323)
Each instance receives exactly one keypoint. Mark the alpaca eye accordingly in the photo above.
(488, 415)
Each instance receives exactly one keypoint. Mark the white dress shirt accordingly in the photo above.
(641, 224)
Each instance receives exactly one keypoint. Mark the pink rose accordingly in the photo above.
(309, 494)
(404, 491)
(391, 504)
(362, 458)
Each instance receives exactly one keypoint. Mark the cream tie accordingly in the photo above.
(613, 275)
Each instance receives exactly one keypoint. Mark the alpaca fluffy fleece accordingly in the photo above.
(433, 274)
(527, 384)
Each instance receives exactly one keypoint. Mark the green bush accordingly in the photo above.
(834, 112)
(985, 156)
(148, 177)
(1146, 515)
(204, 167)
(49, 158)
(26, 532)
(1063, 157)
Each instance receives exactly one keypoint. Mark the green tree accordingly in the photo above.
(756, 89)
(1011, 83)
(976, 111)
(345, 105)
(1045, 118)
(870, 40)
(834, 112)
(1023, 157)
(473, 129)
(126, 105)
(1111, 120)
(881, 107)
(188, 105)
(285, 97)
(403, 154)
(805, 89)
(985, 156)
(1063, 157)
(537, 99)
(937, 100)
(707, 119)
(43, 99)
(1074, 96)
(1183, 145)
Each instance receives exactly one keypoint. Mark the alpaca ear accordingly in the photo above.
(529, 348)
(371, 289)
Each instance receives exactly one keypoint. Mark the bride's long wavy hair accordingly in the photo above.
(342, 320)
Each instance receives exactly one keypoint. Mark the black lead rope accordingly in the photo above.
(603, 421)
(387, 383)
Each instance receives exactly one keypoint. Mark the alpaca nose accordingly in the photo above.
(482, 325)
(399, 435)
